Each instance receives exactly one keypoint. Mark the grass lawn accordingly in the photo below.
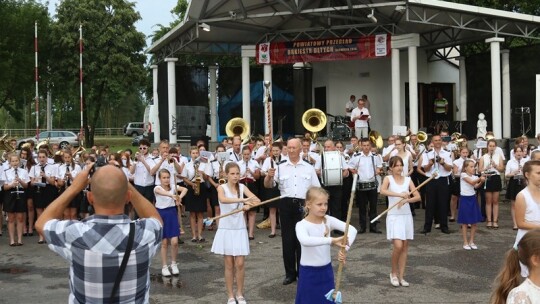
(115, 143)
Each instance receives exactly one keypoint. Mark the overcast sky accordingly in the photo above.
(152, 12)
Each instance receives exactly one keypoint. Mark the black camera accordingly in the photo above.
(437, 159)
(100, 162)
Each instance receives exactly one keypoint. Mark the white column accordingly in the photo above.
(171, 88)
(506, 106)
(537, 109)
(413, 89)
(154, 118)
(246, 93)
(396, 113)
(495, 48)
(213, 102)
(268, 113)
(462, 89)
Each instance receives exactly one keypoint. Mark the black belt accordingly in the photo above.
(294, 200)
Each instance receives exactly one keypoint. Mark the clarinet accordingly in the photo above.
(43, 179)
(68, 180)
(17, 188)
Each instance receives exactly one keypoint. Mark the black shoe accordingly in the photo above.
(375, 231)
(424, 231)
(362, 231)
(445, 231)
(288, 281)
(180, 241)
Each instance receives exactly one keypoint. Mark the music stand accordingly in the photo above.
(522, 111)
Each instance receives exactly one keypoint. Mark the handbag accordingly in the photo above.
(124, 261)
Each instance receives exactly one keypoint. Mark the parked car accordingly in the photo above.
(136, 139)
(60, 137)
(134, 129)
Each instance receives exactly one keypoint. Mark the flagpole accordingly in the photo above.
(36, 76)
(81, 81)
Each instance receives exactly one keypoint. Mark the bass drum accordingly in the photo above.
(332, 169)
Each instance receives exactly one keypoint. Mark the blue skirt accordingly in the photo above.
(469, 211)
(314, 283)
(171, 227)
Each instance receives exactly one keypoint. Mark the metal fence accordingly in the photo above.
(22, 133)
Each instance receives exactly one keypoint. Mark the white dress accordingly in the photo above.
(532, 215)
(526, 293)
(399, 222)
(231, 236)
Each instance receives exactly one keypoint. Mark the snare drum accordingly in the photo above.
(366, 186)
(332, 172)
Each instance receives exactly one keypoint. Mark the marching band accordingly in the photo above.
(32, 179)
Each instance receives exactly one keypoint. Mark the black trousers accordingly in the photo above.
(367, 202)
(334, 201)
(147, 192)
(290, 213)
(438, 196)
(345, 196)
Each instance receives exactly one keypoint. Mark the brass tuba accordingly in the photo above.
(238, 126)
(376, 139)
(314, 120)
(5, 146)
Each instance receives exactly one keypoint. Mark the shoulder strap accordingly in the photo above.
(124, 260)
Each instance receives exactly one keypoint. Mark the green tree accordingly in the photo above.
(17, 89)
(113, 59)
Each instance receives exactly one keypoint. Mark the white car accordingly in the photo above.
(60, 137)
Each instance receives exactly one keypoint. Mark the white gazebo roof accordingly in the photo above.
(234, 23)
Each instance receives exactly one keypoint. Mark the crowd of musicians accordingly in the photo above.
(33, 177)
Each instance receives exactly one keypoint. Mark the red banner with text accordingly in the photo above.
(330, 49)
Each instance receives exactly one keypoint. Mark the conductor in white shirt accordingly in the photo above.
(360, 116)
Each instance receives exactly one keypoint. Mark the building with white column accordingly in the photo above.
(426, 41)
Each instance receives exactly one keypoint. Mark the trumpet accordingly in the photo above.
(198, 179)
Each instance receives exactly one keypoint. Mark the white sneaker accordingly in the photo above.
(467, 247)
(473, 246)
(174, 269)
(165, 271)
(437, 226)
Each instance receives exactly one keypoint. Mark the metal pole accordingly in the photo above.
(36, 75)
(81, 78)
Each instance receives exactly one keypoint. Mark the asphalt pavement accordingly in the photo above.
(438, 269)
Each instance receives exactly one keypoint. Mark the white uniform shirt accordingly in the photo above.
(425, 162)
(294, 180)
(387, 150)
(497, 159)
(359, 123)
(446, 156)
(316, 246)
(317, 165)
(9, 176)
(169, 167)
(50, 171)
(350, 106)
(189, 170)
(365, 165)
(141, 176)
(62, 170)
(459, 164)
(513, 165)
(163, 201)
(467, 189)
(251, 165)
(267, 165)
(235, 157)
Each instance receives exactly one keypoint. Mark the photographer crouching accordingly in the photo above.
(109, 254)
